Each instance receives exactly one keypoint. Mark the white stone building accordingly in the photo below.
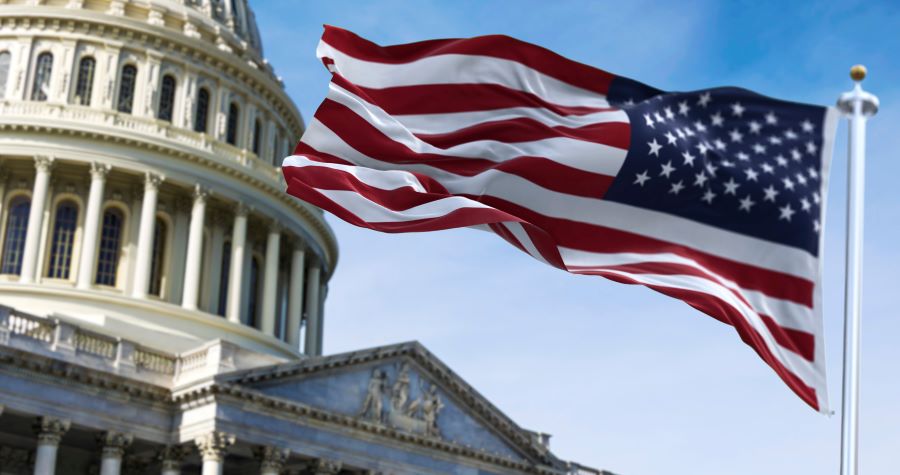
(161, 296)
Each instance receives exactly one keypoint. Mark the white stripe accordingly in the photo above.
(453, 121)
(384, 179)
(460, 69)
(580, 154)
(811, 373)
(654, 224)
(788, 314)
(519, 232)
(373, 212)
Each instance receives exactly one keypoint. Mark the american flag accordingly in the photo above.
(714, 197)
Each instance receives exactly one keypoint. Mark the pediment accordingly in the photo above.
(404, 388)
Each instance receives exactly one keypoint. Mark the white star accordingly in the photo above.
(811, 148)
(649, 121)
(688, 158)
(704, 99)
(683, 108)
(786, 212)
(700, 179)
(689, 132)
(720, 145)
(801, 179)
(736, 136)
(790, 134)
(731, 187)
(759, 148)
(747, 203)
(702, 148)
(679, 132)
(807, 126)
(676, 187)
(751, 174)
(640, 178)
(742, 156)
(716, 119)
(754, 126)
(782, 162)
(805, 204)
(669, 114)
(708, 196)
(816, 225)
(788, 184)
(775, 140)
(659, 118)
(711, 169)
(771, 193)
(816, 198)
(671, 137)
(628, 103)
(667, 169)
(812, 173)
(727, 164)
(737, 109)
(699, 126)
(767, 168)
(654, 147)
(795, 155)
(771, 119)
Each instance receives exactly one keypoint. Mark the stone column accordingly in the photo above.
(271, 459)
(50, 431)
(313, 345)
(236, 271)
(195, 250)
(295, 298)
(113, 445)
(213, 447)
(213, 266)
(145, 236)
(170, 459)
(92, 225)
(42, 167)
(270, 280)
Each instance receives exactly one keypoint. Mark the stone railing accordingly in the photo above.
(145, 126)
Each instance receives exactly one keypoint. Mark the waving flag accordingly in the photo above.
(714, 197)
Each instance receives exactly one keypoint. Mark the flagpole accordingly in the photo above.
(858, 105)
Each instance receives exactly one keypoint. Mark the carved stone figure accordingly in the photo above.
(400, 390)
(431, 406)
(372, 406)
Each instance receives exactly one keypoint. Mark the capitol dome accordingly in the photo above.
(140, 188)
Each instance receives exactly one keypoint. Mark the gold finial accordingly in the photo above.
(858, 72)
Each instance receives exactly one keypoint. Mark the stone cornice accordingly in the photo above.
(223, 392)
(427, 361)
(15, 19)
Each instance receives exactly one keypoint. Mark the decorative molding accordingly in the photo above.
(271, 458)
(99, 171)
(152, 181)
(114, 444)
(43, 163)
(170, 457)
(51, 430)
(214, 445)
(324, 467)
(201, 193)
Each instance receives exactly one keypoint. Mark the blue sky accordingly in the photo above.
(624, 378)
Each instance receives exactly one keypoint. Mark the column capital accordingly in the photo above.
(50, 430)
(43, 163)
(170, 456)
(242, 209)
(275, 226)
(152, 181)
(114, 443)
(214, 445)
(99, 170)
(271, 458)
(325, 467)
(201, 193)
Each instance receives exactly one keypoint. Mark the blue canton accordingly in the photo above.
(725, 157)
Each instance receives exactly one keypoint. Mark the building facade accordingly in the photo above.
(161, 297)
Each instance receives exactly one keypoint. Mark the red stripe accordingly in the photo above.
(368, 140)
(497, 46)
(601, 239)
(725, 313)
(800, 342)
(526, 129)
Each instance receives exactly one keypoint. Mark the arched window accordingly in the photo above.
(85, 80)
(231, 131)
(252, 299)
(166, 98)
(127, 80)
(257, 131)
(202, 110)
(63, 238)
(4, 72)
(16, 225)
(158, 258)
(223, 283)
(40, 89)
(110, 245)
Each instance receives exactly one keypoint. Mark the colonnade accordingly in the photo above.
(304, 277)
